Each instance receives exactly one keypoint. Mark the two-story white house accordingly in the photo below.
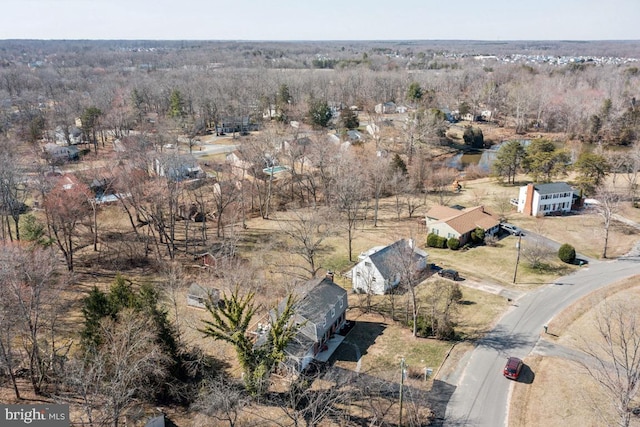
(379, 269)
(545, 199)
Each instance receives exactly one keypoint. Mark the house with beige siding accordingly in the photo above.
(460, 223)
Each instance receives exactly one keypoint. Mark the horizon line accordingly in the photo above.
(318, 40)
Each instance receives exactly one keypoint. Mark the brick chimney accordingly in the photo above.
(330, 275)
(528, 203)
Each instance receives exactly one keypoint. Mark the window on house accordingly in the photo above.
(341, 302)
(367, 264)
(357, 274)
(373, 279)
(333, 312)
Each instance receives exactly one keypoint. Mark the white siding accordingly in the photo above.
(366, 278)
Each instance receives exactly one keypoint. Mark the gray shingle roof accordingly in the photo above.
(313, 311)
(315, 300)
(553, 187)
(386, 260)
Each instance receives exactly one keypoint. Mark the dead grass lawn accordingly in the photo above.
(562, 392)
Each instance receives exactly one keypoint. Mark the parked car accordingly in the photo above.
(511, 229)
(513, 368)
(449, 274)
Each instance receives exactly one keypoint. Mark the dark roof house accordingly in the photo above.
(320, 311)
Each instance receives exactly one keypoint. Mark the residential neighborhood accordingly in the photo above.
(368, 233)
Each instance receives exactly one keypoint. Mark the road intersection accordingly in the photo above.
(481, 395)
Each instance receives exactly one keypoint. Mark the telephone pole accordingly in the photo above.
(402, 374)
(515, 272)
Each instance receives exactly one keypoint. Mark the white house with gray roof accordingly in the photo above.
(545, 199)
(379, 269)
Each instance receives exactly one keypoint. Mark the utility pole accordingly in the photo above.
(515, 272)
(402, 374)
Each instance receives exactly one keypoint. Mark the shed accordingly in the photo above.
(198, 296)
(161, 421)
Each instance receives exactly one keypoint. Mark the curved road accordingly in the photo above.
(481, 394)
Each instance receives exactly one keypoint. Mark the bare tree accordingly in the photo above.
(307, 231)
(221, 400)
(9, 355)
(12, 192)
(442, 302)
(608, 205)
(350, 196)
(614, 362)
(399, 184)
(134, 362)
(440, 182)
(406, 259)
(258, 156)
(378, 174)
(631, 168)
(30, 283)
(225, 194)
(534, 250)
(174, 281)
(501, 202)
(66, 205)
(312, 400)
(84, 377)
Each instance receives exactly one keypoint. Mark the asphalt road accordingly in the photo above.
(481, 395)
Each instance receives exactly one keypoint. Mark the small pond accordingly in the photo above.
(482, 158)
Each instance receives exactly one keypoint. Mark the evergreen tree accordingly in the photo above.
(319, 113)
(473, 136)
(543, 161)
(591, 169)
(176, 105)
(90, 119)
(230, 322)
(349, 119)
(121, 296)
(508, 161)
(96, 307)
(398, 165)
(414, 92)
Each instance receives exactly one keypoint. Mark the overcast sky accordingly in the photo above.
(321, 19)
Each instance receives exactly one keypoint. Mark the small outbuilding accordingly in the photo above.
(161, 421)
(198, 296)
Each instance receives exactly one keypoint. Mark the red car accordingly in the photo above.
(512, 368)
